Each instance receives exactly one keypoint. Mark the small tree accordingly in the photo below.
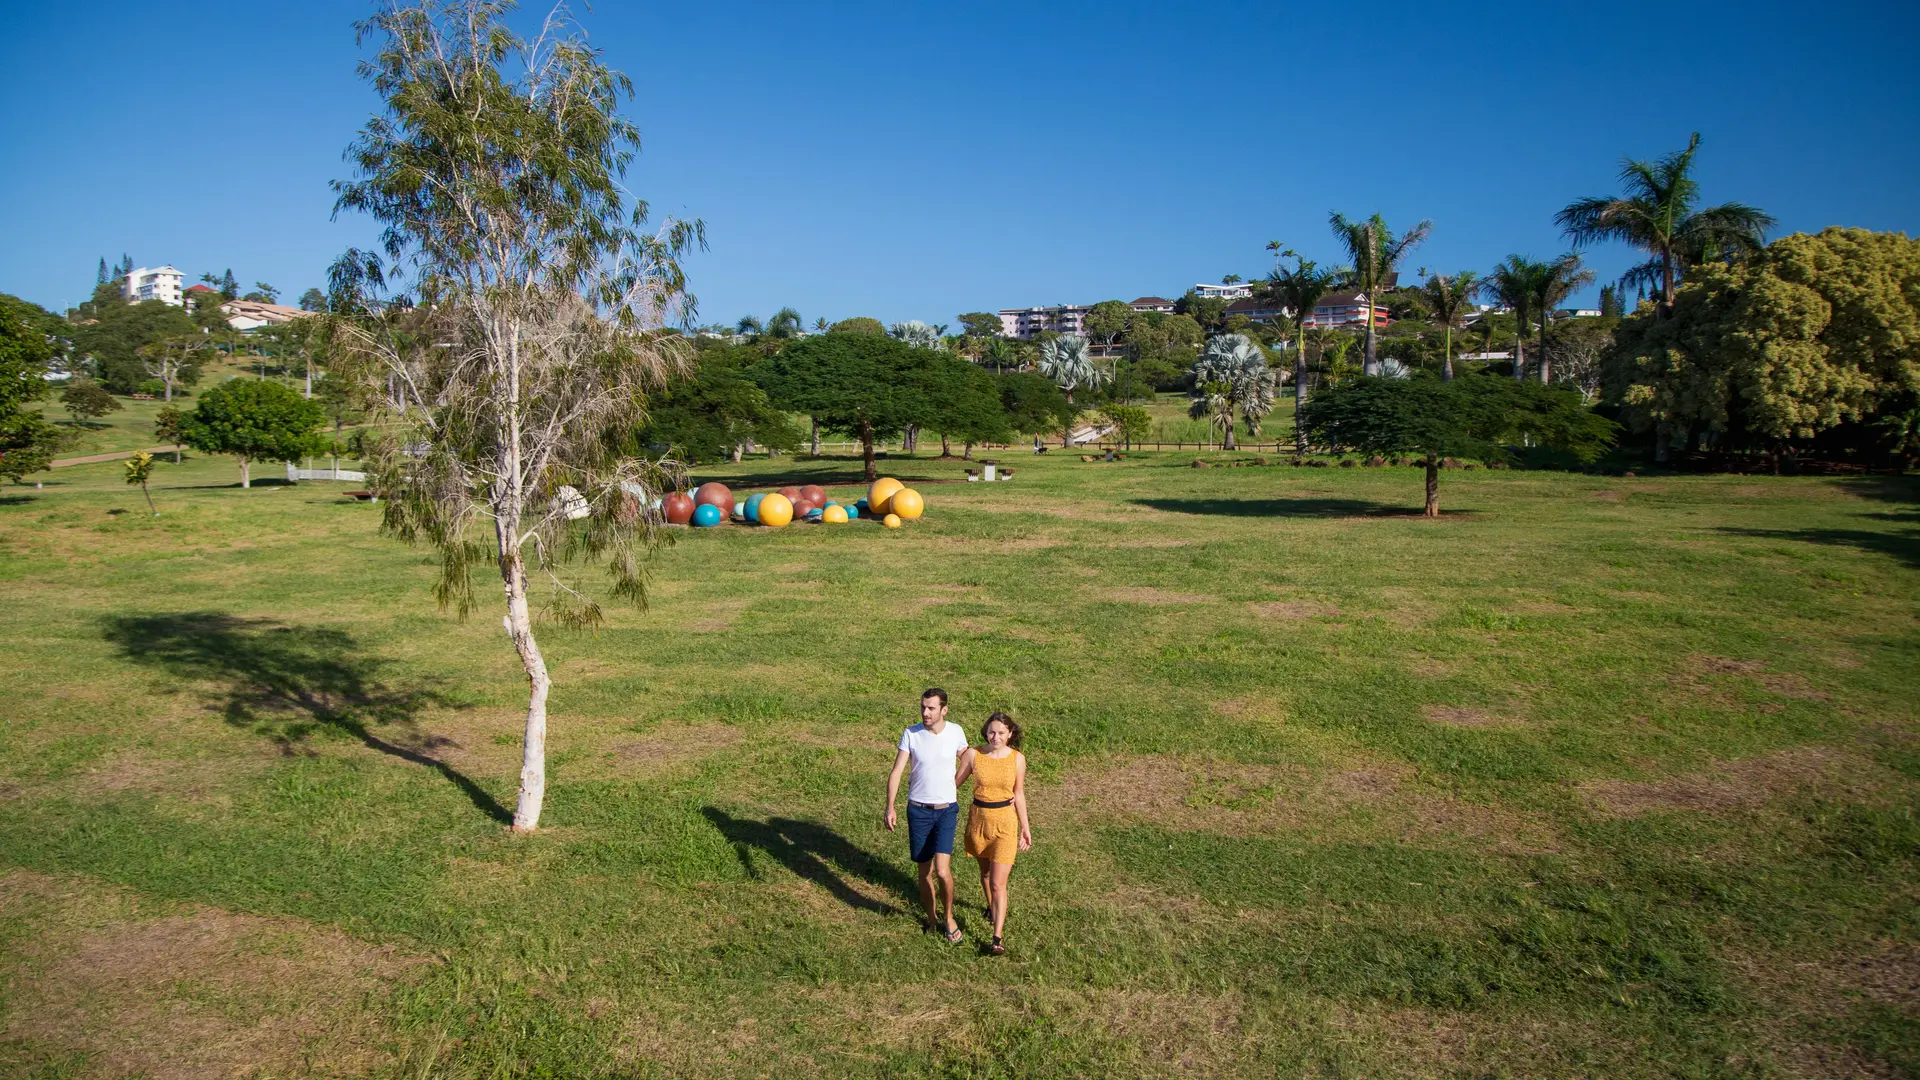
(139, 470)
(1034, 405)
(253, 420)
(175, 360)
(170, 427)
(1067, 362)
(27, 441)
(1129, 421)
(1231, 379)
(1471, 417)
(85, 400)
(859, 324)
(1448, 296)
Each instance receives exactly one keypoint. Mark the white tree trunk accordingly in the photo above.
(533, 754)
(246, 481)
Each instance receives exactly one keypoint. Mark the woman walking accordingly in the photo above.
(997, 820)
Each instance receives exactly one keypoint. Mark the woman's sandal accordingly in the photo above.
(955, 937)
(996, 949)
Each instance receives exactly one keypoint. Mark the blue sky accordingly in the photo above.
(916, 161)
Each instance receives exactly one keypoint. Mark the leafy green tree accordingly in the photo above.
(1130, 422)
(101, 277)
(495, 170)
(1299, 291)
(1817, 331)
(1611, 306)
(1373, 251)
(176, 360)
(27, 441)
(1448, 296)
(139, 471)
(1107, 322)
(981, 325)
(1474, 417)
(1207, 311)
(964, 403)
(1562, 277)
(253, 421)
(313, 300)
(871, 387)
(716, 410)
(263, 293)
(85, 400)
(229, 288)
(1660, 213)
(170, 427)
(111, 341)
(1034, 405)
(859, 324)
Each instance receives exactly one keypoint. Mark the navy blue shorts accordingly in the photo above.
(930, 832)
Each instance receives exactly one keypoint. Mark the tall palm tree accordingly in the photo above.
(749, 326)
(1298, 291)
(1002, 354)
(786, 323)
(1562, 277)
(1448, 295)
(1069, 364)
(1660, 214)
(1374, 252)
(820, 325)
(1232, 377)
(1516, 283)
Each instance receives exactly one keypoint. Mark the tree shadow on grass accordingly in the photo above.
(1304, 508)
(829, 473)
(15, 500)
(1893, 489)
(288, 682)
(817, 854)
(1904, 546)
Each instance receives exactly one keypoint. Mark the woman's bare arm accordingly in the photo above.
(1020, 800)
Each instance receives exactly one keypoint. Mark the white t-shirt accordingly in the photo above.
(934, 759)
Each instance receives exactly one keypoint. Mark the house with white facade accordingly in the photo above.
(160, 283)
(247, 315)
(1236, 291)
(1345, 309)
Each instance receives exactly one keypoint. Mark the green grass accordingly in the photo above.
(1594, 776)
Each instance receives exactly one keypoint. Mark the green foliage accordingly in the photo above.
(1107, 321)
(1034, 404)
(27, 441)
(981, 325)
(859, 324)
(313, 300)
(716, 408)
(866, 385)
(1206, 311)
(1819, 330)
(1130, 422)
(965, 403)
(112, 341)
(85, 400)
(1475, 417)
(254, 420)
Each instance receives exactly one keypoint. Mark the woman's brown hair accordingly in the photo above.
(1013, 729)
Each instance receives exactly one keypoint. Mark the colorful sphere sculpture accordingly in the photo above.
(775, 510)
(816, 493)
(678, 508)
(834, 515)
(707, 515)
(908, 504)
(714, 493)
(881, 491)
(891, 521)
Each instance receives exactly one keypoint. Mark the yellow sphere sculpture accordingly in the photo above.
(776, 510)
(908, 504)
(891, 521)
(834, 515)
(880, 492)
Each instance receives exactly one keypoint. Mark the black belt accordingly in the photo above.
(929, 805)
(992, 805)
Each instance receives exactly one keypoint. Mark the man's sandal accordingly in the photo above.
(955, 937)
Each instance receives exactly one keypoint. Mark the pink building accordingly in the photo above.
(1345, 309)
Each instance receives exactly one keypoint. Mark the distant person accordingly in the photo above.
(933, 746)
(997, 820)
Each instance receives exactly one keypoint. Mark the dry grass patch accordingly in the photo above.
(1146, 594)
(1294, 609)
(1745, 783)
(674, 744)
(202, 994)
(717, 615)
(1462, 716)
(1816, 990)
(1784, 684)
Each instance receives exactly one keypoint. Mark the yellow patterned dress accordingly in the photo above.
(993, 833)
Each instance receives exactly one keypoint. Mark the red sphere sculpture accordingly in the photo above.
(814, 494)
(792, 493)
(800, 507)
(678, 508)
(714, 493)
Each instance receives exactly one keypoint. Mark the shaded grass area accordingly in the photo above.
(1318, 790)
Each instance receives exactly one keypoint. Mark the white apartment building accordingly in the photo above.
(158, 283)
(1025, 323)
(1236, 291)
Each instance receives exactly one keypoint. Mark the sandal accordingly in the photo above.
(996, 949)
(954, 936)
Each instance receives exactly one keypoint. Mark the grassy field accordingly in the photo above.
(1595, 776)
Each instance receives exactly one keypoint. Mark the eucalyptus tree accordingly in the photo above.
(175, 360)
(1516, 283)
(1067, 361)
(1448, 295)
(512, 385)
(1232, 377)
(1374, 252)
(1562, 277)
(1659, 212)
(1298, 292)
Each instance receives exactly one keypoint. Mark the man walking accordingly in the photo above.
(934, 747)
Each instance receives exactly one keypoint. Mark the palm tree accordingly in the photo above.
(1231, 377)
(1374, 252)
(1659, 214)
(786, 323)
(1274, 246)
(1002, 354)
(749, 326)
(820, 326)
(1298, 291)
(1067, 362)
(1562, 277)
(918, 334)
(1516, 283)
(1449, 295)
